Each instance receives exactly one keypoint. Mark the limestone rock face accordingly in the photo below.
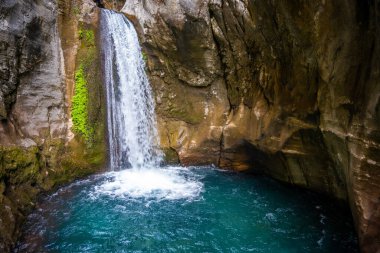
(31, 95)
(39, 45)
(32, 106)
(289, 89)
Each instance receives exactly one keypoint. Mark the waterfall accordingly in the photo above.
(132, 131)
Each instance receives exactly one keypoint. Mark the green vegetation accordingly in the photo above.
(86, 94)
(79, 109)
(88, 36)
(144, 56)
(80, 33)
(88, 114)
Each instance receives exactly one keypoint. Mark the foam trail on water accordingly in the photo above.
(130, 106)
(171, 183)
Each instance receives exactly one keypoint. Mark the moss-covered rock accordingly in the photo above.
(26, 172)
(79, 110)
(170, 156)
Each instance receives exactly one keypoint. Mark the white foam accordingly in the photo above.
(170, 183)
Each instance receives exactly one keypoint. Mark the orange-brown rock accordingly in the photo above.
(287, 88)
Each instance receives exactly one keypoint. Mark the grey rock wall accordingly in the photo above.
(39, 51)
(32, 90)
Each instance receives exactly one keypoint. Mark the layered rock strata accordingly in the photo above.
(289, 89)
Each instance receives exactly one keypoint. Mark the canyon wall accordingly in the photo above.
(286, 88)
(41, 49)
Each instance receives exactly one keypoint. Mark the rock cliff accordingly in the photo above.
(286, 88)
(39, 150)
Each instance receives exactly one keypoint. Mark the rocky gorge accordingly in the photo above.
(287, 89)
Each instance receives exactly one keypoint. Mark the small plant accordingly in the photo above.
(87, 35)
(145, 57)
(80, 33)
(90, 37)
(79, 111)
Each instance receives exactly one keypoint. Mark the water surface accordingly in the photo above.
(186, 210)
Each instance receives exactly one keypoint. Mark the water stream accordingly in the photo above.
(130, 107)
(141, 207)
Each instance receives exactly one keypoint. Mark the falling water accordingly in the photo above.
(130, 106)
(170, 209)
(132, 131)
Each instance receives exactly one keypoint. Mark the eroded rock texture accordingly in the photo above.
(111, 4)
(38, 150)
(32, 114)
(288, 88)
(31, 79)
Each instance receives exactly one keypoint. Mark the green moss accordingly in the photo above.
(170, 156)
(89, 121)
(79, 109)
(87, 36)
(145, 57)
(88, 150)
(22, 164)
(88, 61)
(80, 33)
(90, 37)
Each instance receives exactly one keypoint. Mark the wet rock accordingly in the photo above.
(286, 89)
(39, 46)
